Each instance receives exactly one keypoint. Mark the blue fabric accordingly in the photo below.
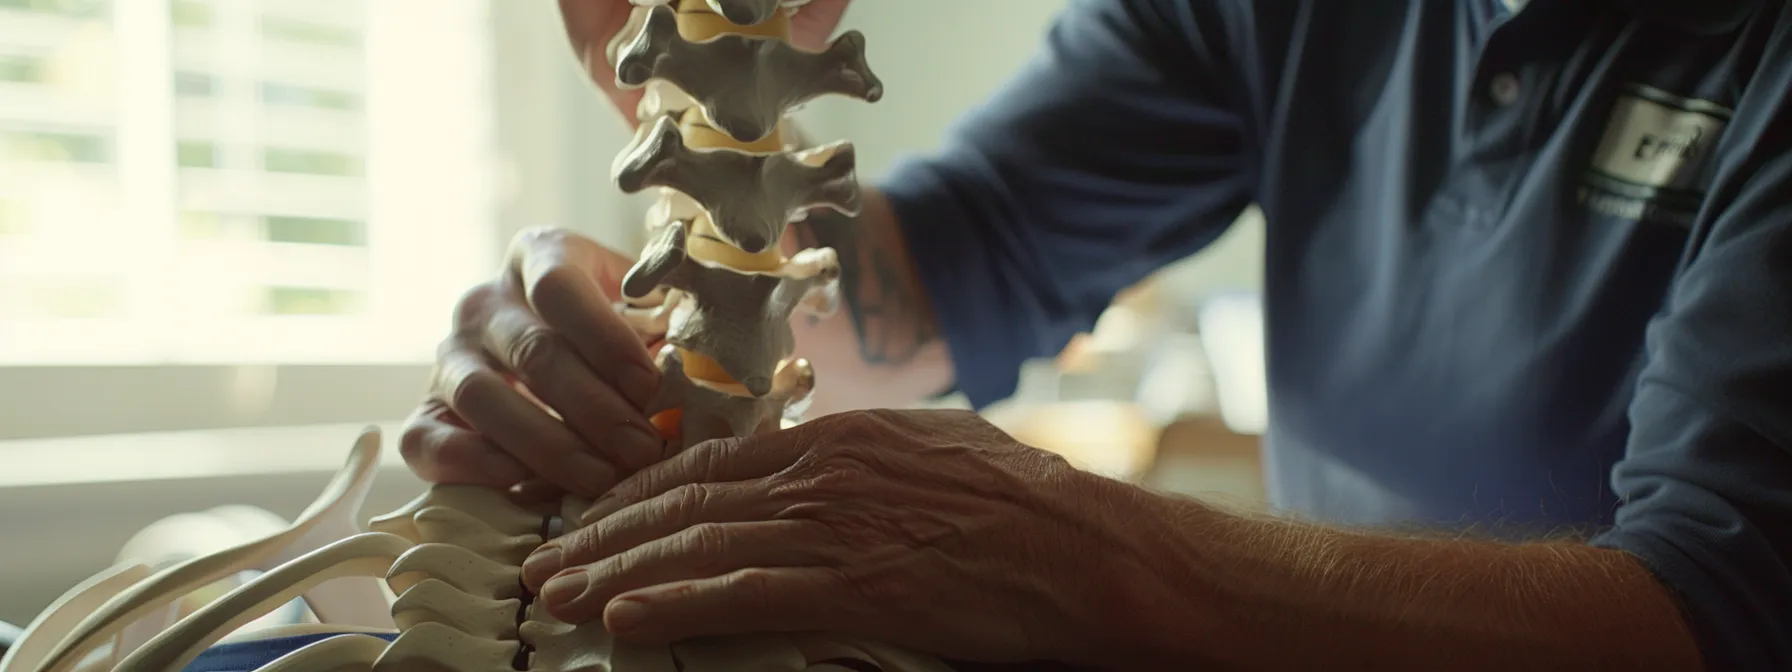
(251, 655)
(1524, 272)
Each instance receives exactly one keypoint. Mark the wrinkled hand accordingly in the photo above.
(543, 335)
(593, 26)
(930, 529)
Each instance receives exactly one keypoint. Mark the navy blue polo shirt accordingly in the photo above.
(1525, 271)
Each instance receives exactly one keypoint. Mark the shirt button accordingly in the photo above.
(1504, 88)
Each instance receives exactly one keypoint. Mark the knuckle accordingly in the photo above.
(840, 477)
(717, 454)
(754, 585)
(535, 352)
(413, 441)
(473, 304)
(532, 238)
(686, 500)
(583, 545)
(707, 542)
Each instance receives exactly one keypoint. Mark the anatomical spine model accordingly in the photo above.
(720, 78)
(435, 586)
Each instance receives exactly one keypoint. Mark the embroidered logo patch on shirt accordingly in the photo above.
(1651, 162)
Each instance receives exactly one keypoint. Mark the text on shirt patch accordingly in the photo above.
(1651, 162)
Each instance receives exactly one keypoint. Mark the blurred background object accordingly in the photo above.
(231, 232)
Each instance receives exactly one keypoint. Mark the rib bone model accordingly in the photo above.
(435, 586)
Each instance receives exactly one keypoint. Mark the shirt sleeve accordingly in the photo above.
(1115, 151)
(1706, 481)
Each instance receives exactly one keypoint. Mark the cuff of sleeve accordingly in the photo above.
(980, 316)
(1727, 634)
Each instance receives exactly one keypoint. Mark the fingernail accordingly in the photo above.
(638, 383)
(625, 615)
(566, 587)
(602, 508)
(545, 560)
(503, 468)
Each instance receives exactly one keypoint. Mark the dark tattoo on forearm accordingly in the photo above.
(883, 299)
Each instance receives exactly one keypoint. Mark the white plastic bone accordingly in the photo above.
(364, 555)
(457, 527)
(744, 85)
(434, 647)
(588, 648)
(341, 500)
(64, 614)
(434, 601)
(467, 571)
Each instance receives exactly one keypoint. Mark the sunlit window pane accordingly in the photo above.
(307, 96)
(190, 13)
(308, 32)
(23, 69)
(196, 154)
(315, 231)
(54, 147)
(76, 8)
(310, 162)
(232, 180)
(195, 85)
(310, 301)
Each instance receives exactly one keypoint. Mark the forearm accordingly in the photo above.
(881, 349)
(1279, 594)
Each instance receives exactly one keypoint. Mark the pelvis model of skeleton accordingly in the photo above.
(435, 586)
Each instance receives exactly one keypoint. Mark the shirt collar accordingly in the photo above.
(1700, 17)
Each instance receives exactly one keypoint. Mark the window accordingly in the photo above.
(22, 69)
(256, 171)
(196, 154)
(195, 85)
(191, 14)
(308, 32)
(53, 147)
(315, 231)
(73, 8)
(310, 162)
(155, 275)
(304, 96)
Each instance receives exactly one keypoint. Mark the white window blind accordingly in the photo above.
(241, 181)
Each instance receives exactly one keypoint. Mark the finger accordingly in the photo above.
(705, 551)
(657, 518)
(719, 461)
(439, 448)
(573, 283)
(490, 406)
(775, 599)
(590, 25)
(812, 25)
(554, 373)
